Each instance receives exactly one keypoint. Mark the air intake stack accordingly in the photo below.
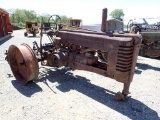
(104, 20)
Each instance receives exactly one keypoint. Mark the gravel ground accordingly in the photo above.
(62, 94)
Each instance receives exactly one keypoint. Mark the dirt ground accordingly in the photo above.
(62, 94)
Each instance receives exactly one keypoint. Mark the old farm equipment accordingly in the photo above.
(5, 23)
(73, 24)
(31, 28)
(112, 56)
(54, 21)
(150, 46)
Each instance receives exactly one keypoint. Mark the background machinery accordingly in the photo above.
(31, 28)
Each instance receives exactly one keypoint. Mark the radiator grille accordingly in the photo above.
(124, 61)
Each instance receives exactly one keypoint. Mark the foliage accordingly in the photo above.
(65, 19)
(117, 14)
(18, 17)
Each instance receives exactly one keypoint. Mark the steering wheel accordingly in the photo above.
(54, 21)
(129, 25)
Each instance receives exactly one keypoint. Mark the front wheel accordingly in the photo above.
(34, 35)
(25, 34)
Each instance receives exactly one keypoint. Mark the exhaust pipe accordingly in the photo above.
(104, 20)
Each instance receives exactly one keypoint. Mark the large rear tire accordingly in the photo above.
(23, 63)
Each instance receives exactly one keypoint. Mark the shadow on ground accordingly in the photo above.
(131, 108)
(28, 90)
(5, 40)
(37, 36)
(143, 66)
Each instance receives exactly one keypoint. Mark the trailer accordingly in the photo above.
(5, 23)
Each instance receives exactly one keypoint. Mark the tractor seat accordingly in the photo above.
(52, 32)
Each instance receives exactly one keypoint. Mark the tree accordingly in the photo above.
(18, 17)
(64, 19)
(117, 14)
(45, 17)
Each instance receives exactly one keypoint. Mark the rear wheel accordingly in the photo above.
(23, 63)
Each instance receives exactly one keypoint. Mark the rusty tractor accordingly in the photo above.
(150, 46)
(111, 55)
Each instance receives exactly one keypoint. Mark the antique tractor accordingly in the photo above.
(31, 28)
(112, 55)
(150, 46)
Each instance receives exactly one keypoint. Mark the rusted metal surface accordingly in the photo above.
(112, 56)
(81, 50)
(136, 43)
(104, 19)
(150, 44)
(23, 63)
(5, 23)
(121, 52)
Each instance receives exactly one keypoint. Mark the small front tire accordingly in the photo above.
(25, 34)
